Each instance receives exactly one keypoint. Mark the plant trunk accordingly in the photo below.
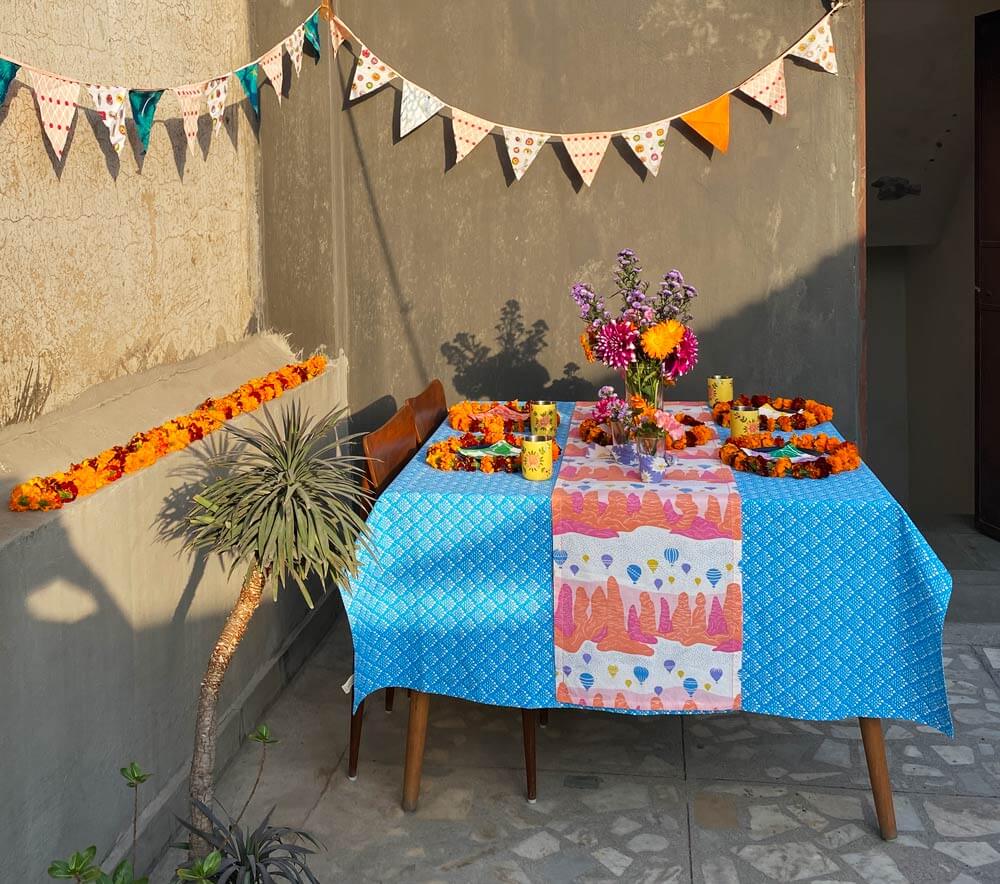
(201, 784)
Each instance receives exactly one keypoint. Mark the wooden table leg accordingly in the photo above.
(355, 746)
(529, 722)
(416, 737)
(543, 717)
(878, 773)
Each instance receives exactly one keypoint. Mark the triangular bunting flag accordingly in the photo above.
(416, 108)
(469, 131)
(273, 65)
(648, 142)
(110, 104)
(337, 36)
(144, 102)
(711, 122)
(215, 94)
(369, 74)
(190, 98)
(586, 152)
(767, 87)
(56, 100)
(817, 47)
(312, 32)
(522, 148)
(249, 78)
(293, 45)
(8, 70)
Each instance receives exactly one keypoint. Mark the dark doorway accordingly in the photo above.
(988, 274)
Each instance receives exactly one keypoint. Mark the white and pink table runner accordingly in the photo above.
(647, 582)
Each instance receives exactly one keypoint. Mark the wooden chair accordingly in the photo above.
(387, 449)
(429, 409)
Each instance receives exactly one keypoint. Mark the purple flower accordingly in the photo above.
(606, 392)
(615, 345)
(684, 358)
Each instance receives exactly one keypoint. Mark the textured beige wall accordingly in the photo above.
(106, 270)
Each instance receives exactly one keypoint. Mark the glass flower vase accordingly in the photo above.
(644, 381)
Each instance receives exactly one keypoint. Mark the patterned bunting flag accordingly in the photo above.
(767, 87)
(8, 70)
(144, 102)
(337, 36)
(469, 131)
(370, 74)
(711, 122)
(416, 108)
(817, 47)
(311, 32)
(273, 65)
(56, 100)
(647, 143)
(522, 148)
(190, 98)
(249, 78)
(586, 152)
(215, 95)
(110, 104)
(293, 46)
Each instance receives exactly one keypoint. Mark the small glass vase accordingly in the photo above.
(646, 386)
(648, 443)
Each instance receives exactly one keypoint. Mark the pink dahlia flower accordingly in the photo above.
(684, 358)
(615, 345)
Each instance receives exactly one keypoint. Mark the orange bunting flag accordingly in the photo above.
(56, 100)
(767, 87)
(647, 143)
(273, 64)
(586, 152)
(711, 122)
(522, 148)
(817, 47)
(370, 74)
(469, 131)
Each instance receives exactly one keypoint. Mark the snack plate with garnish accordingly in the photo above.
(793, 453)
(497, 449)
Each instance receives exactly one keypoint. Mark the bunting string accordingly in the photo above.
(57, 99)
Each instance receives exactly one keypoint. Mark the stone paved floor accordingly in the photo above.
(713, 799)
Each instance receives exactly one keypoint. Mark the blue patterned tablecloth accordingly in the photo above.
(843, 600)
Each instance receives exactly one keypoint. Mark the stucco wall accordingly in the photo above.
(767, 232)
(106, 270)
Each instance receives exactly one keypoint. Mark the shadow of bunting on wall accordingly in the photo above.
(512, 369)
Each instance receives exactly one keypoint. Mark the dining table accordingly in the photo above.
(709, 591)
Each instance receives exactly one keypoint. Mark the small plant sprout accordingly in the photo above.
(263, 736)
(80, 867)
(135, 776)
(204, 871)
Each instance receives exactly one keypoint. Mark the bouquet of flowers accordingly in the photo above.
(649, 341)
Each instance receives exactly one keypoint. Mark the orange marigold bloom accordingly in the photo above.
(588, 351)
(660, 340)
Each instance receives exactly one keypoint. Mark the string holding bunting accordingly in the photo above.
(56, 99)
(110, 104)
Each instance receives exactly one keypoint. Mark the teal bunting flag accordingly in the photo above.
(249, 78)
(144, 102)
(8, 70)
(312, 32)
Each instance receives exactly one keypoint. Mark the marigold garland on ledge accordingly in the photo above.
(802, 414)
(144, 449)
(835, 456)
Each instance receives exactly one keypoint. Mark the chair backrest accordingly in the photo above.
(388, 449)
(429, 409)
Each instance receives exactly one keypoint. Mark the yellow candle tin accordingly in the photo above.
(743, 419)
(543, 418)
(720, 389)
(536, 458)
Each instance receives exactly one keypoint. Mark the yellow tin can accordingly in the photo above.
(720, 389)
(543, 418)
(536, 458)
(743, 419)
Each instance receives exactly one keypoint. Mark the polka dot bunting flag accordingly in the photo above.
(110, 104)
(817, 47)
(416, 108)
(647, 143)
(370, 74)
(586, 152)
(469, 131)
(190, 98)
(272, 64)
(522, 148)
(215, 95)
(56, 100)
(336, 36)
(768, 87)
(293, 46)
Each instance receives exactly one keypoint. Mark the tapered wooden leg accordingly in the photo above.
(878, 773)
(390, 696)
(355, 747)
(529, 721)
(543, 717)
(416, 737)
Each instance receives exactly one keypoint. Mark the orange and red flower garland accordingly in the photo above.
(801, 413)
(836, 456)
(52, 492)
(444, 455)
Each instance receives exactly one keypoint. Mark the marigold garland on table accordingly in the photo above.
(52, 492)
(491, 417)
(802, 414)
(444, 455)
(835, 456)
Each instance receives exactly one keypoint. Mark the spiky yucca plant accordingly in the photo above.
(286, 506)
